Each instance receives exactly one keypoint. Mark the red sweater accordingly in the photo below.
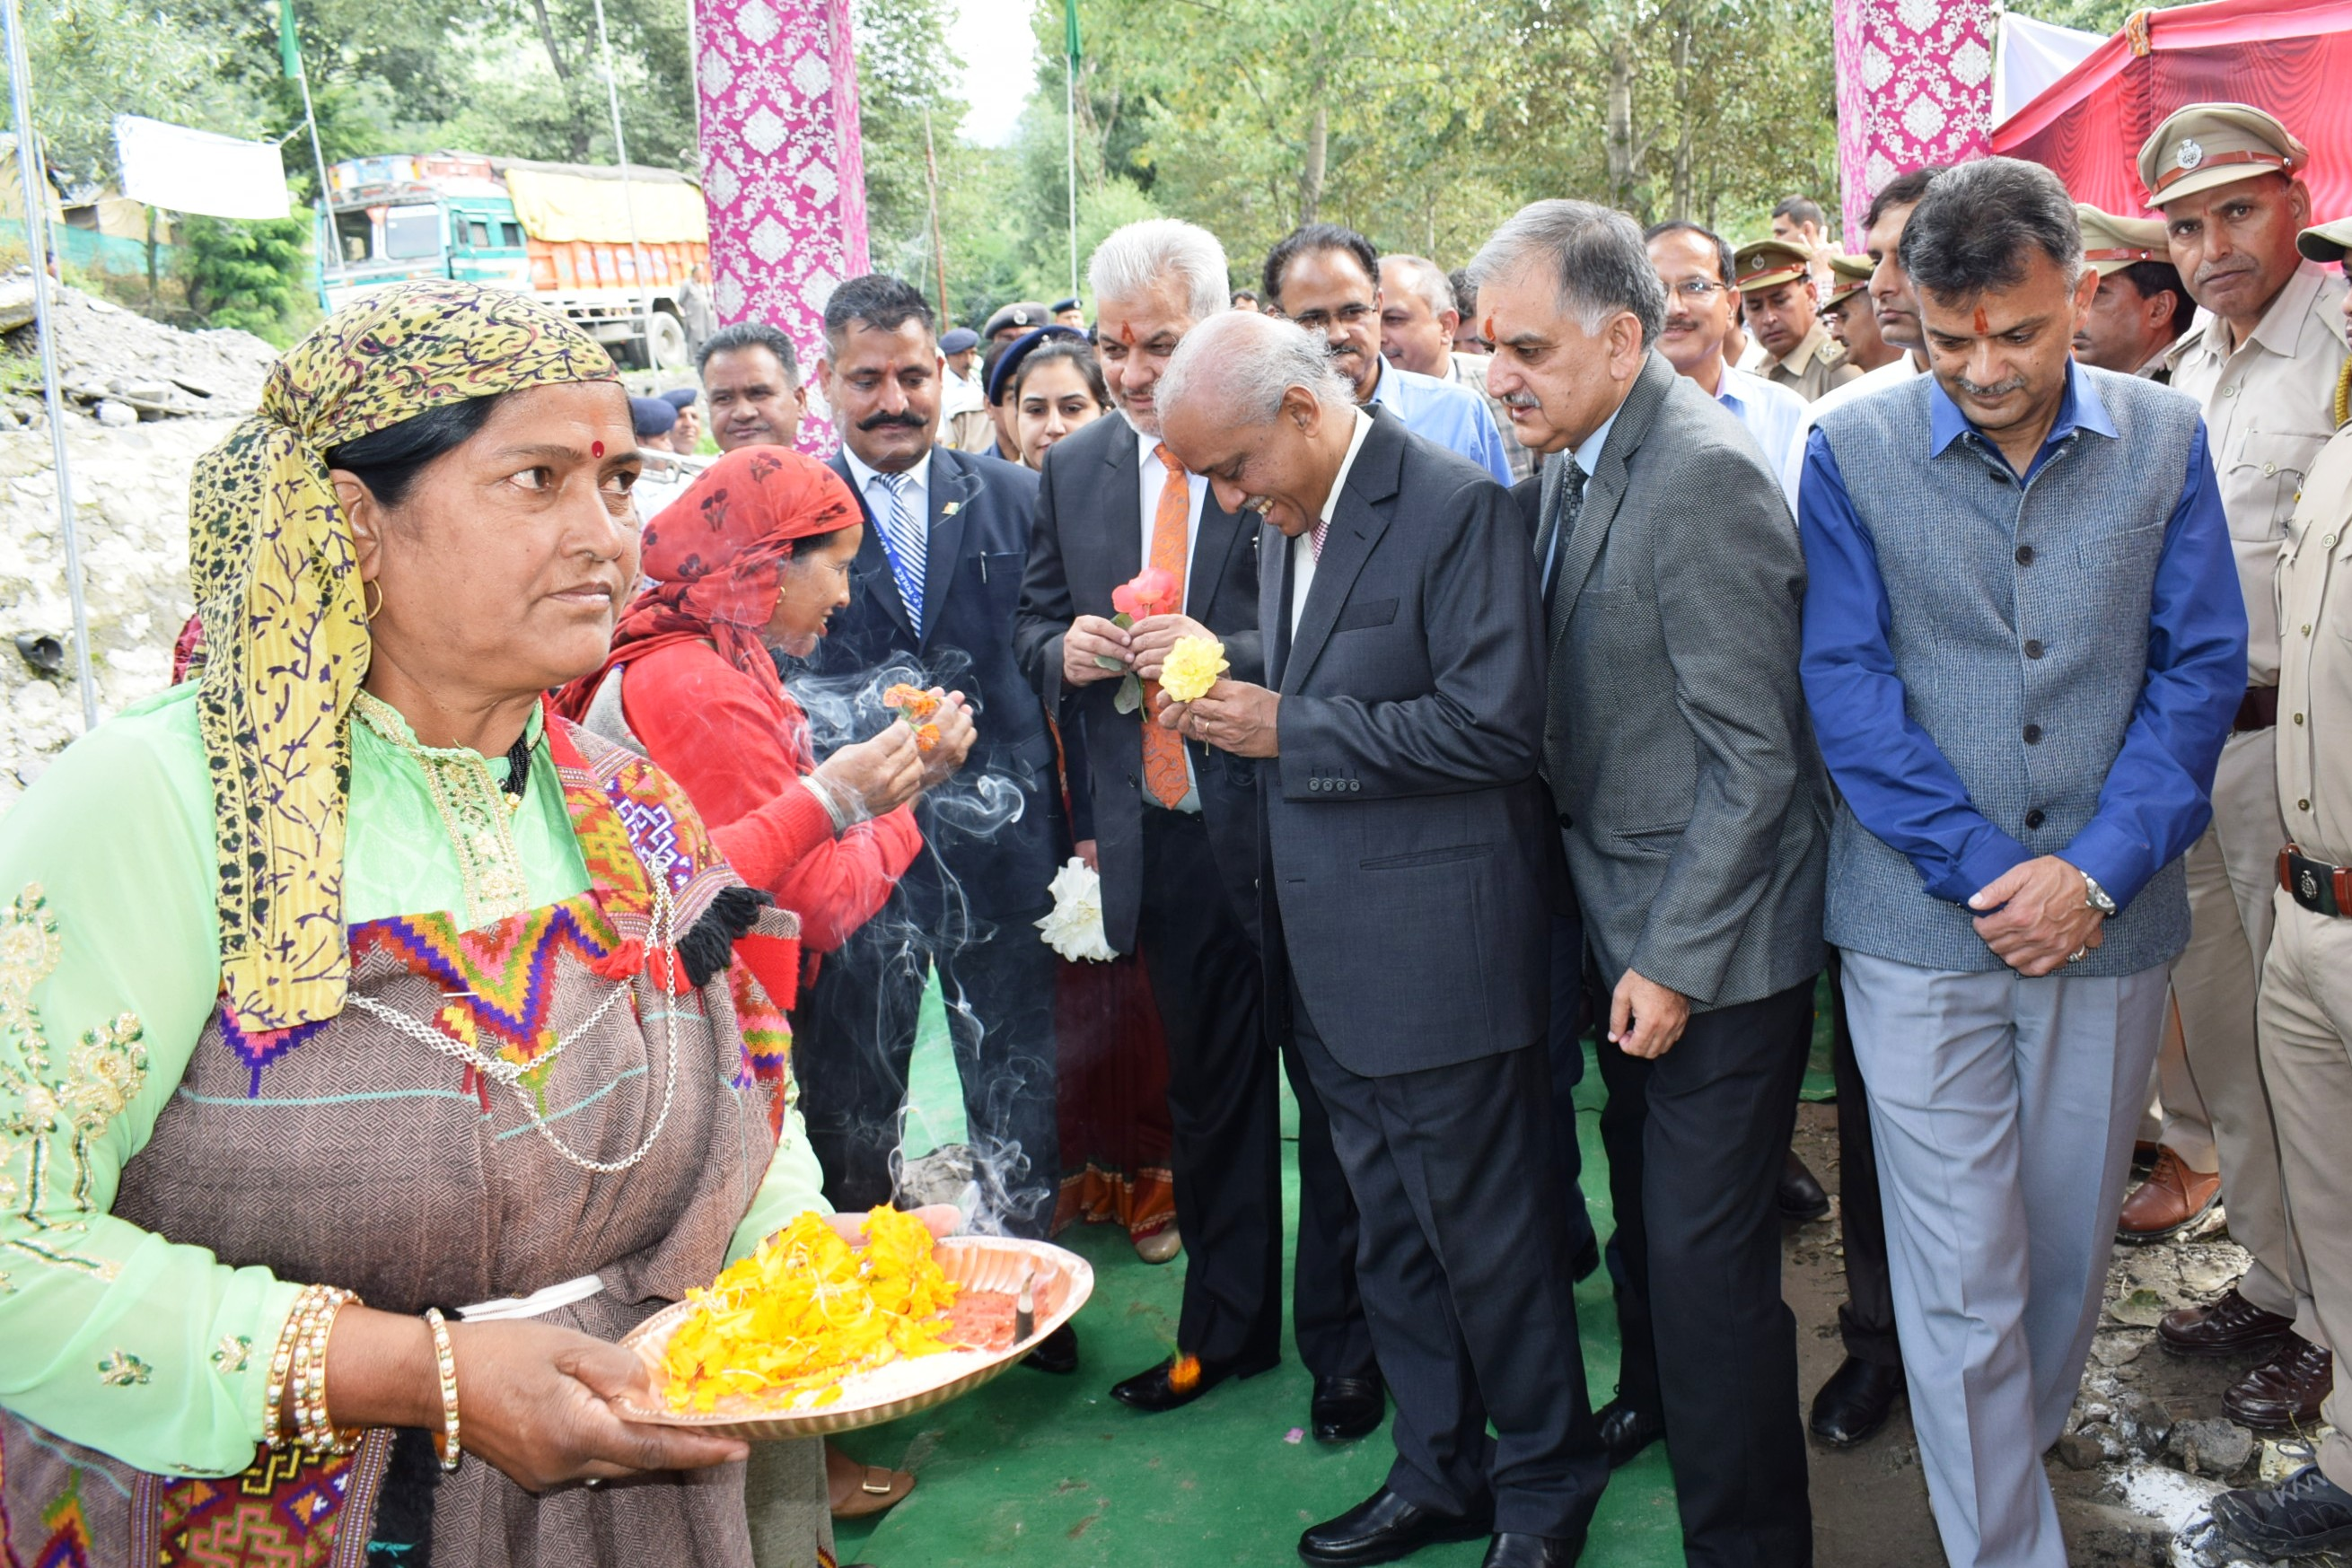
(708, 725)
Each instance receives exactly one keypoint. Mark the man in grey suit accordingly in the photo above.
(1694, 810)
(1407, 893)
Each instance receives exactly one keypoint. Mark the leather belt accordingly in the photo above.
(2258, 711)
(2319, 887)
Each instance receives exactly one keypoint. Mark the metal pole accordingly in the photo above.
(1070, 121)
(628, 202)
(334, 240)
(37, 239)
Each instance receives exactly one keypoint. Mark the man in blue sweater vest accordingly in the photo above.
(2023, 646)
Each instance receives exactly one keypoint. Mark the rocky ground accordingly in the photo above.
(116, 368)
(2147, 1445)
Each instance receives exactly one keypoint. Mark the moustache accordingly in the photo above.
(1521, 400)
(2212, 270)
(1997, 389)
(889, 422)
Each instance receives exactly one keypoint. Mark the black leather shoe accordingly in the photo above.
(1855, 1402)
(2231, 1326)
(1057, 1352)
(1345, 1409)
(1510, 1549)
(1384, 1528)
(1626, 1431)
(2283, 1394)
(1170, 1386)
(2305, 1513)
(1801, 1198)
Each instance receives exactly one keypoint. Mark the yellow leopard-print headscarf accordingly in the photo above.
(286, 639)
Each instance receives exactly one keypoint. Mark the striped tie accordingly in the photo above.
(902, 540)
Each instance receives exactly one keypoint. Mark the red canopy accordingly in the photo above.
(2291, 58)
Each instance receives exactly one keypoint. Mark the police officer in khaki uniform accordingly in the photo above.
(1847, 315)
(2142, 307)
(2306, 999)
(1778, 303)
(2263, 359)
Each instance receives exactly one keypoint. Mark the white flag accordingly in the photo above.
(167, 165)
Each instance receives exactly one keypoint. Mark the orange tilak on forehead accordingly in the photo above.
(1486, 329)
(1126, 333)
(1984, 323)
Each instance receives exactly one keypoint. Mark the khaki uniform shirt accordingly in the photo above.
(2315, 671)
(1470, 370)
(1814, 367)
(2269, 411)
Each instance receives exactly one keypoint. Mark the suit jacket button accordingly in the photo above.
(1314, 785)
(1358, 783)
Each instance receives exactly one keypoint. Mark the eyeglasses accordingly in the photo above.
(1697, 288)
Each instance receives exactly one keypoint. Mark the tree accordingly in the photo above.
(253, 275)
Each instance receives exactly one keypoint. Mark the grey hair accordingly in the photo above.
(1248, 360)
(1425, 278)
(1141, 257)
(1601, 261)
(1972, 231)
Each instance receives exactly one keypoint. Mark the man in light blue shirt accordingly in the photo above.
(1327, 278)
(1695, 265)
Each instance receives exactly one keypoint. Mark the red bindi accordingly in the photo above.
(1983, 324)
(596, 448)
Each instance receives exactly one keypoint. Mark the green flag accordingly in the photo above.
(289, 48)
(1070, 30)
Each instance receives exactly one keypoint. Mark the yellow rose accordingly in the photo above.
(1191, 667)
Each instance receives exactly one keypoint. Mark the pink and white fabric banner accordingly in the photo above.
(782, 169)
(1914, 87)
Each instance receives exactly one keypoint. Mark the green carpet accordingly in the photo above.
(1052, 1473)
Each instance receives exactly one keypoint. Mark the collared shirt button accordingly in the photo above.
(2032, 735)
(2230, 391)
(2303, 805)
(2298, 718)
(2306, 631)
(2269, 469)
(2329, 543)
(2033, 647)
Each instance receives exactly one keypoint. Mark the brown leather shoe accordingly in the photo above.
(2283, 1394)
(2169, 1201)
(2229, 1326)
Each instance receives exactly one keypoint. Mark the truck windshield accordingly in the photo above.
(355, 231)
(410, 233)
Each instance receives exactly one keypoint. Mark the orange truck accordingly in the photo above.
(613, 254)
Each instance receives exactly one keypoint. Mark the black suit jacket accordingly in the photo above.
(1088, 539)
(979, 514)
(1408, 881)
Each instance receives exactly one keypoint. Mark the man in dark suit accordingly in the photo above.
(1173, 824)
(1696, 812)
(1409, 882)
(932, 593)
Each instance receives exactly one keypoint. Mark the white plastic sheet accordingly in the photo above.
(167, 165)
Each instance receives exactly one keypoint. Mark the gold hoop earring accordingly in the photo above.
(372, 614)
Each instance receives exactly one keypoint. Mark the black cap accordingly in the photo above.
(1022, 313)
(958, 339)
(1062, 305)
(681, 397)
(1008, 363)
(652, 416)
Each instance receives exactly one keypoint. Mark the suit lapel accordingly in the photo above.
(953, 488)
(873, 566)
(1273, 595)
(1605, 491)
(1124, 548)
(1356, 527)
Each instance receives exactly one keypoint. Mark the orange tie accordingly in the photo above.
(1163, 750)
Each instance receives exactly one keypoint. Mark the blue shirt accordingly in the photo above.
(1453, 416)
(1898, 783)
(1773, 414)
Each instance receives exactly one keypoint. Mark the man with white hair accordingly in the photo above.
(1408, 882)
(1171, 828)
(1418, 323)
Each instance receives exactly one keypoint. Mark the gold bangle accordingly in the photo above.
(445, 1363)
(315, 1431)
(281, 1366)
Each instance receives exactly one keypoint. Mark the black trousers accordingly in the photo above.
(1463, 1264)
(1867, 1321)
(1567, 1051)
(1225, 1112)
(854, 1032)
(1695, 1141)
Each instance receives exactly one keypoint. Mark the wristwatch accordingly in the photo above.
(2095, 896)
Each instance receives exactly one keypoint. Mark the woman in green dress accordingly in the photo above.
(376, 1048)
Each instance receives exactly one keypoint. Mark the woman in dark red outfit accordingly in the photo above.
(755, 555)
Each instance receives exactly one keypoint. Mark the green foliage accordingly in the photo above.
(253, 275)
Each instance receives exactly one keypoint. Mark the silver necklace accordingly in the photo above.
(510, 1073)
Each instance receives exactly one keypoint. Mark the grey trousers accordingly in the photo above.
(2003, 1110)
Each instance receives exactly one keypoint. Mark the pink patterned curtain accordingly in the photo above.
(781, 167)
(1914, 87)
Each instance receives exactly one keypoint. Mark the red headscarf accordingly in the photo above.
(716, 554)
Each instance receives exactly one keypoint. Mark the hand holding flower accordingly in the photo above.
(1192, 668)
(1231, 715)
(1149, 643)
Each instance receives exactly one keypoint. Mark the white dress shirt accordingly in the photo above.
(1155, 479)
(879, 501)
(1302, 548)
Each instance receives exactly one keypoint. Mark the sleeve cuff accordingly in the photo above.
(1983, 863)
(2110, 858)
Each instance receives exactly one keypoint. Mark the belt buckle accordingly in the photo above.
(2311, 883)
